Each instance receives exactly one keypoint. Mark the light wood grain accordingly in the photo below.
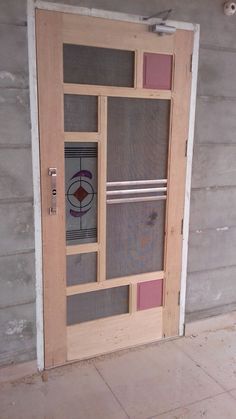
(102, 185)
(115, 282)
(138, 327)
(86, 30)
(133, 297)
(82, 248)
(97, 337)
(50, 95)
(176, 180)
(138, 79)
(85, 89)
(83, 137)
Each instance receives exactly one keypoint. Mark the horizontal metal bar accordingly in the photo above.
(141, 199)
(138, 182)
(136, 191)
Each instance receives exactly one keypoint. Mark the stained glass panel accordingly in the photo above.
(81, 192)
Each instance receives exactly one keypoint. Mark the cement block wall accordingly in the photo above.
(17, 272)
(211, 284)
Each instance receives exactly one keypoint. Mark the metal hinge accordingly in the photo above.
(184, 329)
(186, 148)
(191, 63)
(179, 298)
(182, 225)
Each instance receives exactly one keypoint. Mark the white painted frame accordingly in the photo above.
(40, 4)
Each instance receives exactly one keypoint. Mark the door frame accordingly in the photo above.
(195, 28)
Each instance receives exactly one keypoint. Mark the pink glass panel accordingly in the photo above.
(157, 71)
(150, 294)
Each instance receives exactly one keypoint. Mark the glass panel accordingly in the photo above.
(138, 134)
(98, 66)
(81, 269)
(135, 238)
(80, 113)
(157, 71)
(150, 294)
(97, 304)
(81, 192)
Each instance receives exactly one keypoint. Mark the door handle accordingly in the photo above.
(52, 171)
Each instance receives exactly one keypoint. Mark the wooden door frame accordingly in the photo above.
(32, 6)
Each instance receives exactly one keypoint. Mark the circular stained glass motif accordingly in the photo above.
(80, 193)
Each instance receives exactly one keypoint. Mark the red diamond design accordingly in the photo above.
(80, 194)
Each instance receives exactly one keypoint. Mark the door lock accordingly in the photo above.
(52, 171)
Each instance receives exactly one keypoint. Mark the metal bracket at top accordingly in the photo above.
(164, 15)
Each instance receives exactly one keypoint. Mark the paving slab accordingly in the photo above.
(215, 353)
(77, 393)
(154, 380)
(218, 407)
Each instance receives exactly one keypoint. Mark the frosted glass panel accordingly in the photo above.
(80, 113)
(138, 136)
(157, 71)
(98, 66)
(81, 269)
(135, 238)
(138, 141)
(81, 192)
(97, 304)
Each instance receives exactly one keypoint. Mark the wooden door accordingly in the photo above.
(113, 121)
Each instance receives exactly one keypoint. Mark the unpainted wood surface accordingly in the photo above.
(102, 182)
(86, 30)
(84, 89)
(176, 180)
(115, 282)
(49, 61)
(86, 340)
(105, 335)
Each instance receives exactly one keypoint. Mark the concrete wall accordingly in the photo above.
(17, 276)
(211, 286)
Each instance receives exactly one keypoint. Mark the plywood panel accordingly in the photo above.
(86, 30)
(114, 333)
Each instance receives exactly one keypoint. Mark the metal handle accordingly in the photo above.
(138, 199)
(137, 182)
(52, 171)
(135, 191)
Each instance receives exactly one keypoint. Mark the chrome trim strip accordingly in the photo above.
(141, 199)
(136, 191)
(137, 182)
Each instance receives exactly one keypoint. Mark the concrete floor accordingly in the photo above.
(193, 378)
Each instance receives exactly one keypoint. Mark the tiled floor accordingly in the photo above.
(188, 378)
